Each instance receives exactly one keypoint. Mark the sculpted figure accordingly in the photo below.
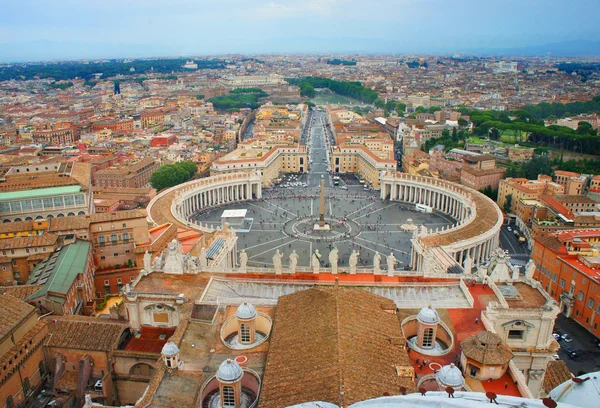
(315, 261)
(293, 261)
(333, 260)
(529, 269)
(202, 259)
(277, 262)
(148, 261)
(376, 263)
(353, 261)
(243, 261)
(391, 263)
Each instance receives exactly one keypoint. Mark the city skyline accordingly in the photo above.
(111, 29)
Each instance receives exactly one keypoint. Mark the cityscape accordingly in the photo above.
(297, 218)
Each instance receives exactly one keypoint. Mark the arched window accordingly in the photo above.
(142, 369)
(244, 333)
(101, 239)
(125, 236)
(113, 238)
(228, 396)
(10, 403)
(428, 337)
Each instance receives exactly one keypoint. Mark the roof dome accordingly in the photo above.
(245, 311)
(580, 391)
(229, 371)
(170, 349)
(428, 315)
(450, 376)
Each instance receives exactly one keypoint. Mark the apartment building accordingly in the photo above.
(522, 188)
(126, 175)
(568, 267)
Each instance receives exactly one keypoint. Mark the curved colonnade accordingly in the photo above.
(177, 204)
(476, 233)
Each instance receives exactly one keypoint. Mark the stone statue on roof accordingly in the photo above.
(529, 269)
(376, 263)
(468, 264)
(174, 261)
(333, 260)
(353, 261)
(315, 261)
(147, 261)
(243, 261)
(157, 264)
(277, 262)
(202, 259)
(190, 265)
(391, 264)
(293, 261)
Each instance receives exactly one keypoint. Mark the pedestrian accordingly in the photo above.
(417, 361)
(477, 320)
(506, 385)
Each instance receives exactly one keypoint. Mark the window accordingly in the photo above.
(228, 396)
(244, 333)
(580, 295)
(113, 238)
(595, 326)
(591, 303)
(116, 254)
(515, 334)
(119, 280)
(555, 278)
(125, 236)
(428, 337)
(101, 239)
(106, 282)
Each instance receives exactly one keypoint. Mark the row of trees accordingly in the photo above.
(450, 140)
(170, 175)
(531, 169)
(71, 70)
(239, 98)
(337, 61)
(351, 89)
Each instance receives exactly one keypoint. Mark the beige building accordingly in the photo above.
(522, 188)
(257, 156)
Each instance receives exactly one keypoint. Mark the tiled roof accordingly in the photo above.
(84, 333)
(28, 242)
(20, 291)
(557, 373)
(12, 312)
(68, 223)
(486, 348)
(336, 345)
(118, 215)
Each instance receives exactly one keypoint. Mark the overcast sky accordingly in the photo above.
(228, 26)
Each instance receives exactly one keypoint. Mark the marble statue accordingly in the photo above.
(190, 265)
(353, 261)
(529, 269)
(315, 261)
(174, 262)
(376, 263)
(293, 261)
(243, 261)
(202, 259)
(277, 262)
(157, 264)
(225, 227)
(333, 260)
(148, 261)
(391, 264)
(468, 264)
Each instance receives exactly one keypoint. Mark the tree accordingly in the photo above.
(585, 128)
(462, 122)
(508, 203)
(537, 166)
(170, 175)
(420, 109)
(379, 103)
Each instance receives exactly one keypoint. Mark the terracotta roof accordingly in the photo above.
(68, 223)
(84, 333)
(118, 215)
(532, 298)
(574, 198)
(28, 242)
(486, 348)
(12, 313)
(336, 345)
(18, 226)
(557, 373)
(20, 291)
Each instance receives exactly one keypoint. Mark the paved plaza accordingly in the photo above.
(284, 218)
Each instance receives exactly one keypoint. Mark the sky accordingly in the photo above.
(53, 29)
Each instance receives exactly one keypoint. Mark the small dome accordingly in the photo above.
(428, 315)
(245, 311)
(450, 376)
(170, 349)
(229, 371)
(580, 391)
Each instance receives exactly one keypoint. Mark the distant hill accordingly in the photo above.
(575, 48)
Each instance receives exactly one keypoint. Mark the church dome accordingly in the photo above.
(428, 315)
(229, 371)
(450, 376)
(170, 349)
(245, 311)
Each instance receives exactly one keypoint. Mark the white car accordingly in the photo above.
(556, 357)
(509, 228)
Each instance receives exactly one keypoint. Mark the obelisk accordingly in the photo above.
(322, 205)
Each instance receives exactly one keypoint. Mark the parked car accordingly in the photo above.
(509, 228)
(556, 336)
(556, 357)
(566, 338)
